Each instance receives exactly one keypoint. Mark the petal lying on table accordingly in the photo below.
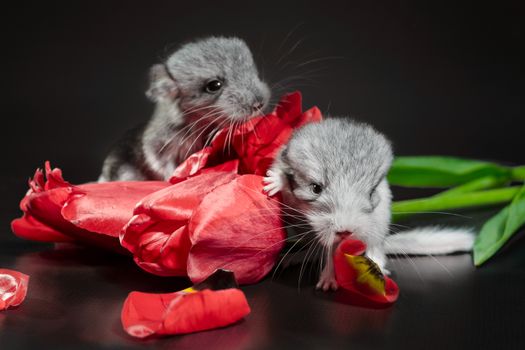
(13, 288)
(187, 311)
(360, 278)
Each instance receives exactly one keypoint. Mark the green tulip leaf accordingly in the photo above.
(438, 171)
(500, 228)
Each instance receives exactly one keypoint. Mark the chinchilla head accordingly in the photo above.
(336, 173)
(214, 78)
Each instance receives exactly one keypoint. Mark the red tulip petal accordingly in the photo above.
(258, 145)
(178, 201)
(54, 178)
(145, 314)
(56, 211)
(106, 207)
(289, 107)
(358, 276)
(236, 227)
(46, 208)
(204, 185)
(159, 247)
(192, 165)
(254, 143)
(28, 227)
(157, 235)
(13, 288)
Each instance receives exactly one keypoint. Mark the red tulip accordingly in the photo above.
(216, 214)
(200, 308)
(157, 235)
(13, 288)
(361, 278)
(56, 211)
(253, 146)
(214, 220)
(236, 227)
(213, 214)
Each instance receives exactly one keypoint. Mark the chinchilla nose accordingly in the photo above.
(343, 234)
(258, 106)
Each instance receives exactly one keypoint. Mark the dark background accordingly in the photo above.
(436, 78)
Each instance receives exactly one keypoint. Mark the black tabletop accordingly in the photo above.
(76, 294)
(435, 78)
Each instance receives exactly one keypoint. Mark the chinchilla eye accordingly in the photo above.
(213, 86)
(374, 198)
(316, 188)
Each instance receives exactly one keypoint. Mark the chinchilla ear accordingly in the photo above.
(162, 86)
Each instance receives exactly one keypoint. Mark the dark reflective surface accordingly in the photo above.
(76, 294)
(436, 78)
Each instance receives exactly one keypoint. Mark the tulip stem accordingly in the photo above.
(518, 173)
(483, 183)
(453, 201)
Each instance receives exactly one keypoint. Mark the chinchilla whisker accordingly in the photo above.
(216, 115)
(199, 109)
(190, 148)
(178, 132)
(320, 59)
(241, 244)
(308, 252)
(214, 132)
(259, 252)
(191, 132)
(410, 260)
(435, 212)
(289, 34)
(302, 236)
(276, 268)
(398, 225)
(291, 50)
(280, 202)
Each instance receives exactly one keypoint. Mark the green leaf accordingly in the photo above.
(500, 228)
(518, 173)
(438, 171)
(479, 184)
(401, 209)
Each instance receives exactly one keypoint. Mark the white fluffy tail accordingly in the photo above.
(430, 241)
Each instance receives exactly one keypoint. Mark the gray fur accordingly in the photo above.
(337, 153)
(186, 116)
(350, 161)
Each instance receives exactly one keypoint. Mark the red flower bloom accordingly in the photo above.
(361, 278)
(253, 146)
(187, 311)
(158, 234)
(13, 288)
(56, 211)
(215, 216)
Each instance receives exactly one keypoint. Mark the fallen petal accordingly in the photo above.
(361, 278)
(13, 288)
(187, 311)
